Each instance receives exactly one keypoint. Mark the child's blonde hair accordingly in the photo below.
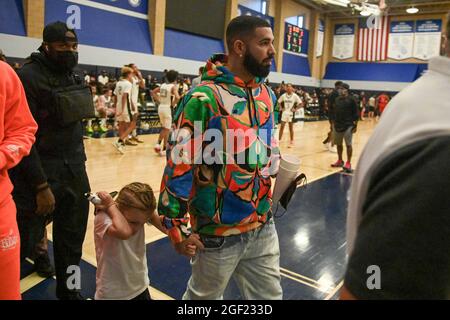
(137, 195)
(125, 71)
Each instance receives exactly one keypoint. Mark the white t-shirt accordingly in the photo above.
(96, 103)
(106, 101)
(122, 272)
(196, 81)
(103, 79)
(122, 87)
(185, 88)
(165, 94)
(135, 90)
(405, 122)
(289, 101)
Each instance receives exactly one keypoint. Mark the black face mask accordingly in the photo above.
(65, 60)
(254, 67)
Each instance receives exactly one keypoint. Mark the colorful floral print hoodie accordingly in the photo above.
(221, 156)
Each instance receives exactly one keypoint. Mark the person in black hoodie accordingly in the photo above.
(344, 124)
(329, 140)
(51, 182)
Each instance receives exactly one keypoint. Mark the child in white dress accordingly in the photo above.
(122, 272)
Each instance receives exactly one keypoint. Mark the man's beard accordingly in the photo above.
(254, 67)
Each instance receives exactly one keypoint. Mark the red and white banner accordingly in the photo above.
(373, 37)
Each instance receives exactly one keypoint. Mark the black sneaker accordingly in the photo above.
(43, 266)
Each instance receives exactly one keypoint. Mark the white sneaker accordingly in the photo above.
(119, 147)
(326, 146)
(157, 148)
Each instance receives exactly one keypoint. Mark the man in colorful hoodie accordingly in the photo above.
(220, 160)
(17, 129)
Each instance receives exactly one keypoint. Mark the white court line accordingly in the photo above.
(336, 289)
(299, 275)
(302, 282)
(30, 281)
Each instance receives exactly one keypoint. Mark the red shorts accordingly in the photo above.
(9, 252)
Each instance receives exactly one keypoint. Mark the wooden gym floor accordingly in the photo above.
(312, 231)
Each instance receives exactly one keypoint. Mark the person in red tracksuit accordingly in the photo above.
(383, 100)
(17, 129)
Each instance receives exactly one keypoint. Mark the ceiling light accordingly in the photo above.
(412, 10)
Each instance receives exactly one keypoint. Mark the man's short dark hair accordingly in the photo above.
(243, 26)
(338, 84)
(172, 75)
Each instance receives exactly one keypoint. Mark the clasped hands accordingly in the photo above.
(189, 246)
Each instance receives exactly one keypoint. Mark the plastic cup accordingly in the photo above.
(289, 166)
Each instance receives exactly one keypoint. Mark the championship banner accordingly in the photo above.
(320, 39)
(401, 40)
(343, 41)
(244, 11)
(427, 39)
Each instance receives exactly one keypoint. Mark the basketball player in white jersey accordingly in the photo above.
(138, 82)
(124, 107)
(290, 102)
(168, 98)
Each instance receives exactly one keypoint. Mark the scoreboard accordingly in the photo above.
(295, 39)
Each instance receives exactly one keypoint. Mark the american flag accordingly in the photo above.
(373, 38)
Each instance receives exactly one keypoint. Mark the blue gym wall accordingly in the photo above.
(11, 18)
(106, 29)
(183, 45)
(295, 64)
(390, 72)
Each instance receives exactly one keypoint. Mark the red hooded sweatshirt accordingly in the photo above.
(17, 126)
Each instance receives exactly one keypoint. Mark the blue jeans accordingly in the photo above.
(252, 258)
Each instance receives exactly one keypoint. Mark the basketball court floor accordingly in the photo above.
(311, 231)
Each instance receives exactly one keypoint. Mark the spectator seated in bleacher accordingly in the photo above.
(104, 109)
